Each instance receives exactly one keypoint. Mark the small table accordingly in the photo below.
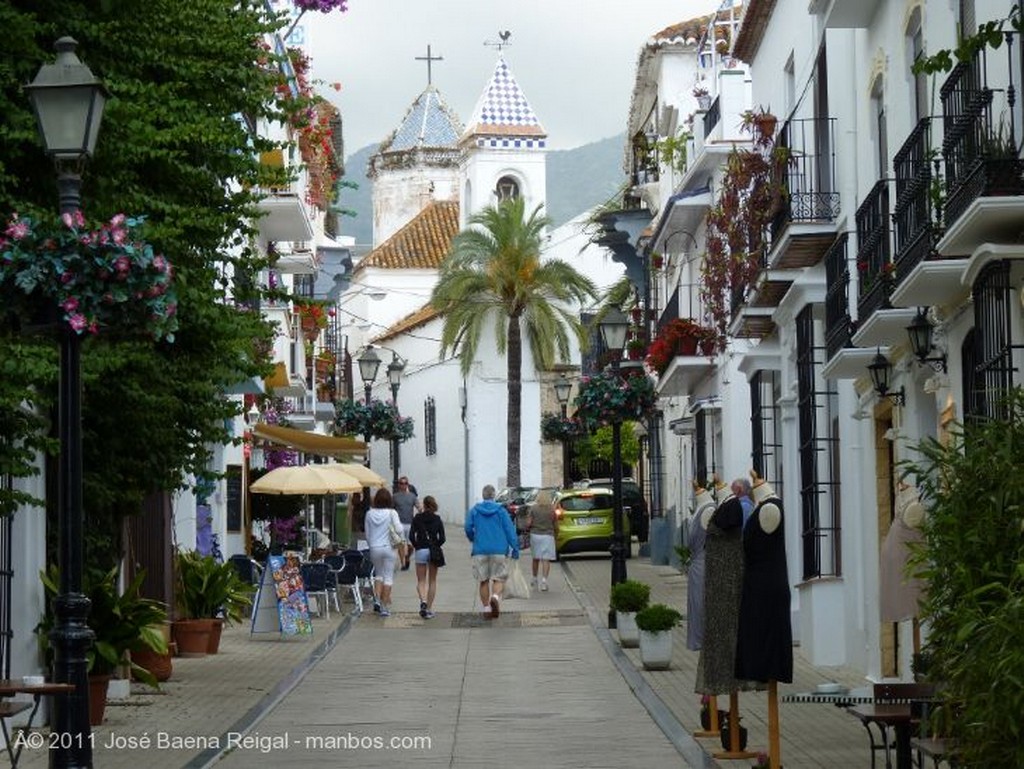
(899, 717)
(11, 687)
(843, 698)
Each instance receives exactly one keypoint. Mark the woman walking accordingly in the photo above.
(543, 527)
(380, 519)
(427, 535)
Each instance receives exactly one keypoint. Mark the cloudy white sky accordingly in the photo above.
(574, 59)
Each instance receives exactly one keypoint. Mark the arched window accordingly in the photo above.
(507, 189)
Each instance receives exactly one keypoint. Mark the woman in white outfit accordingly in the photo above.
(379, 518)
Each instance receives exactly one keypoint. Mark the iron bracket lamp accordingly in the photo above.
(920, 332)
(880, 371)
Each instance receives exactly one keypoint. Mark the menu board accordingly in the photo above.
(292, 606)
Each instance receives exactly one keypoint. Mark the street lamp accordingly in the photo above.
(563, 388)
(369, 362)
(395, 368)
(68, 101)
(614, 328)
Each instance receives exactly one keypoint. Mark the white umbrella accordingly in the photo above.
(305, 479)
(361, 473)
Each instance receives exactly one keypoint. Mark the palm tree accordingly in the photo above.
(494, 272)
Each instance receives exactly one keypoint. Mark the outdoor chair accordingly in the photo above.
(348, 578)
(247, 569)
(314, 578)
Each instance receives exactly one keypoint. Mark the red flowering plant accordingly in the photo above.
(607, 397)
(751, 191)
(91, 279)
(680, 336)
(313, 315)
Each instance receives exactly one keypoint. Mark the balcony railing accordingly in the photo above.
(712, 116)
(980, 153)
(874, 265)
(838, 324)
(914, 228)
(811, 174)
(670, 313)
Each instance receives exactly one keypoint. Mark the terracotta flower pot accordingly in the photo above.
(97, 698)
(215, 630)
(160, 665)
(192, 636)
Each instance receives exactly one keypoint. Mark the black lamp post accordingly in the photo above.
(563, 388)
(68, 101)
(395, 368)
(369, 362)
(614, 328)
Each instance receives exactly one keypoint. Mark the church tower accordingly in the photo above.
(416, 165)
(503, 148)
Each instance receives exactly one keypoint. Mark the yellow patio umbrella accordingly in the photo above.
(305, 479)
(361, 473)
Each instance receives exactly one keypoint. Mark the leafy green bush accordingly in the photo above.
(657, 617)
(972, 558)
(121, 621)
(206, 588)
(630, 595)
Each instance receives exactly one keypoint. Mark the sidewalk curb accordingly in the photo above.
(691, 751)
(259, 711)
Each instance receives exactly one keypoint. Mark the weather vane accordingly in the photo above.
(502, 43)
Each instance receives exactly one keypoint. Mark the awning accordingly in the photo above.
(311, 443)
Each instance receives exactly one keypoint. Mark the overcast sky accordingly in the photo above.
(574, 59)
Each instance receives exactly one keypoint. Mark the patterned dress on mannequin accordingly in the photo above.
(723, 582)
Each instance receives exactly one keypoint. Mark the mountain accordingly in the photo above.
(578, 180)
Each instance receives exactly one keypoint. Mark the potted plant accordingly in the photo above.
(122, 621)
(635, 348)
(207, 594)
(627, 598)
(655, 624)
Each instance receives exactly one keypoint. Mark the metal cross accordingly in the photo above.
(429, 60)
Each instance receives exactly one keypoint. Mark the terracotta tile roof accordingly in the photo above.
(422, 243)
(685, 30)
(752, 28)
(424, 315)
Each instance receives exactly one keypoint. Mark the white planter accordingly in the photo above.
(656, 649)
(629, 636)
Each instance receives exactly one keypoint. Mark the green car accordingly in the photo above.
(585, 522)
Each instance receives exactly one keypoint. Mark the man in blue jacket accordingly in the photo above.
(490, 529)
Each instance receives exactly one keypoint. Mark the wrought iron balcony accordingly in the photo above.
(712, 116)
(914, 213)
(874, 263)
(810, 176)
(838, 324)
(979, 149)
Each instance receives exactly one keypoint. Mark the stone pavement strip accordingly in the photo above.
(546, 684)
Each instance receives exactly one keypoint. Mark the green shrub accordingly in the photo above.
(206, 588)
(657, 617)
(972, 559)
(630, 595)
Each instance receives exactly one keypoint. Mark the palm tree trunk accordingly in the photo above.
(515, 396)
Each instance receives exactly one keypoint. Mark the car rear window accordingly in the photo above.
(588, 502)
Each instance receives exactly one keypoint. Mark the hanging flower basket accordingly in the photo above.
(378, 420)
(556, 428)
(105, 278)
(312, 318)
(606, 398)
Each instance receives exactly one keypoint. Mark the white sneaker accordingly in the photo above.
(544, 585)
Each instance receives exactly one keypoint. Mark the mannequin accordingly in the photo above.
(900, 593)
(696, 528)
(764, 646)
(723, 578)
(764, 649)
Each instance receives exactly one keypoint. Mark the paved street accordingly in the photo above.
(544, 685)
